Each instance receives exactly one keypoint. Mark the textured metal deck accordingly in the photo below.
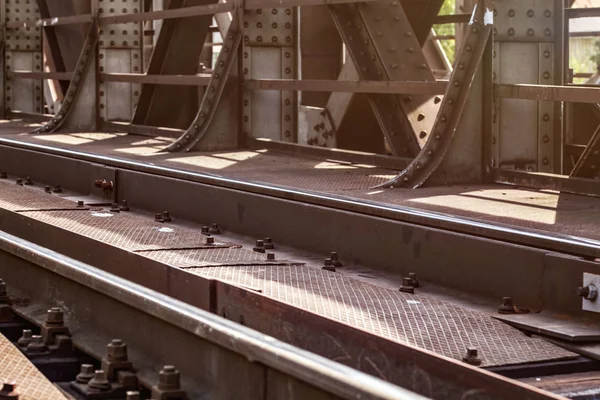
(31, 383)
(212, 257)
(435, 325)
(126, 231)
(24, 198)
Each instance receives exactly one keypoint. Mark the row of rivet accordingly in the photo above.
(369, 67)
(431, 155)
(75, 85)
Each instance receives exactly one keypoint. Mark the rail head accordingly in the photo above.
(315, 370)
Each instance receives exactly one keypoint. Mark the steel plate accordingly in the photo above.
(213, 257)
(322, 179)
(31, 383)
(25, 198)
(431, 324)
(126, 231)
(563, 328)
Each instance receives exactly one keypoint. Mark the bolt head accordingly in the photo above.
(55, 316)
(168, 377)
(117, 350)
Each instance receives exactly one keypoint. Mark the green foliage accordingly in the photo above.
(447, 30)
(596, 57)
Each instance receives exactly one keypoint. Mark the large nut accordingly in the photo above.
(117, 351)
(168, 378)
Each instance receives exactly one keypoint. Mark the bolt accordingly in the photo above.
(414, 281)
(589, 292)
(507, 306)
(124, 206)
(80, 203)
(471, 357)
(117, 351)
(328, 265)
(158, 217)
(3, 292)
(25, 338)
(28, 181)
(205, 230)
(114, 208)
(407, 286)
(210, 240)
(57, 189)
(335, 259)
(270, 256)
(3, 175)
(19, 181)
(166, 216)
(55, 316)
(269, 243)
(47, 189)
(168, 378)
(133, 395)
(86, 374)
(8, 391)
(36, 345)
(259, 246)
(214, 229)
(99, 381)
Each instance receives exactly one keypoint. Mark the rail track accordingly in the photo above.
(159, 296)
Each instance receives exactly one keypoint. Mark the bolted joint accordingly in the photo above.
(168, 378)
(117, 351)
(335, 260)
(86, 374)
(407, 286)
(472, 357)
(37, 345)
(589, 292)
(99, 382)
(259, 247)
(55, 317)
(166, 216)
(269, 245)
(26, 338)
(114, 208)
(328, 265)
(8, 391)
(124, 206)
(132, 395)
(414, 280)
(214, 229)
(507, 306)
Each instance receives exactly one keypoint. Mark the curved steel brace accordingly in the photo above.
(457, 94)
(83, 65)
(213, 92)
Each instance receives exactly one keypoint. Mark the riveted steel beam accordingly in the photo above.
(383, 46)
(453, 105)
(23, 50)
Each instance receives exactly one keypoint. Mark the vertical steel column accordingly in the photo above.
(22, 51)
(524, 52)
(270, 51)
(120, 50)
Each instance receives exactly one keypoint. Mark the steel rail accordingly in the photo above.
(505, 233)
(254, 346)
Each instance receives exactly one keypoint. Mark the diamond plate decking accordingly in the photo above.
(126, 231)
(435, 325)
(27, 198)
(31, 383)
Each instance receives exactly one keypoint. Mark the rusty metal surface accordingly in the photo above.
(31, 383)
(126, 231)
(558, 326)
(212, 257)
(23, 198)
(434, 325)
(338, 178)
